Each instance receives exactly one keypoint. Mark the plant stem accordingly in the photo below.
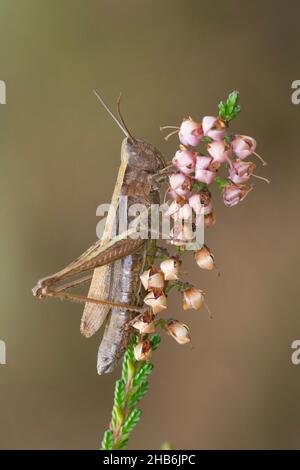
(129, 390)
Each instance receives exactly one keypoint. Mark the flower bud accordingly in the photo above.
(233, 194)
(220, 151)
(190, 132)
(208, 208)
(201, 204)
(240, 172)
(144, 323)
(210, 219)
(203, 170)
(184, 161)
(142, 350)
(195, 203)
(193, 298)
(179, 210)
(204, 258)
(173, 195)
(205, 197)
(243, 146)
(181, 184)
(156, 300)
(179, 331)
(184, 213)
(170, 268)
(213, 127)
(181, 234)
(152, 279)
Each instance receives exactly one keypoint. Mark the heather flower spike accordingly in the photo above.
(221, 161)
(145, 323)
(185, 160)
(204, 258)
(152, 279)
(156, 300)
(195, 203)
(182, 232)
(193, 298)
(184, 213)
(209, 220)
(180, 184)
(220, 151)
(143, 350)
(241, 172)
(190, 132)
(170, 268)
(213, 127)
(179, 331)
(234, 193)
(174, 207)
(204, 170)
(243, 146)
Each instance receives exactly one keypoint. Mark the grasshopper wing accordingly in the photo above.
(94, 315)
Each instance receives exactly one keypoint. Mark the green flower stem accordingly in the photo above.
(129, 390)
(229, 109)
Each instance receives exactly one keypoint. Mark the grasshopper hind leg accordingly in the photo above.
(115, 341)
(125, 289)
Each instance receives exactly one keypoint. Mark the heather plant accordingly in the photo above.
(208, 155)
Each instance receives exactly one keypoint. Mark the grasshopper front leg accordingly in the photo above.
(156, 179)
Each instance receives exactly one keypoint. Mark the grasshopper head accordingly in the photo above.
(135, 152)
(143, 156)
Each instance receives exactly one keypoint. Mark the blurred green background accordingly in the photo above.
(59, 154)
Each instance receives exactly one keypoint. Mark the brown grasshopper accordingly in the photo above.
(115, 262)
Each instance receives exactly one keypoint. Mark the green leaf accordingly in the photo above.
(121, 443)
(119, 396)
(128, 364)
(125, 367)
(206, 140)
(130, 349)
(108, 440)
(143, 372)
(197, 186)
(167, 446)
(228, 139)
(139, 394)
(117, 417)
(114, 418)
(179, 249)
(131, 370)
(129, 390)
(222, 182)
(131, 422)
(155, 341)
(229, 109)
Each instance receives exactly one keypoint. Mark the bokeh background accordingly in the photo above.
(236, 387)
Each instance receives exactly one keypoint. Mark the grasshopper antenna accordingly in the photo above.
(124, 129)
(121, 117)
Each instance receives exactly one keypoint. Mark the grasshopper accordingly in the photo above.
(114, 263)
